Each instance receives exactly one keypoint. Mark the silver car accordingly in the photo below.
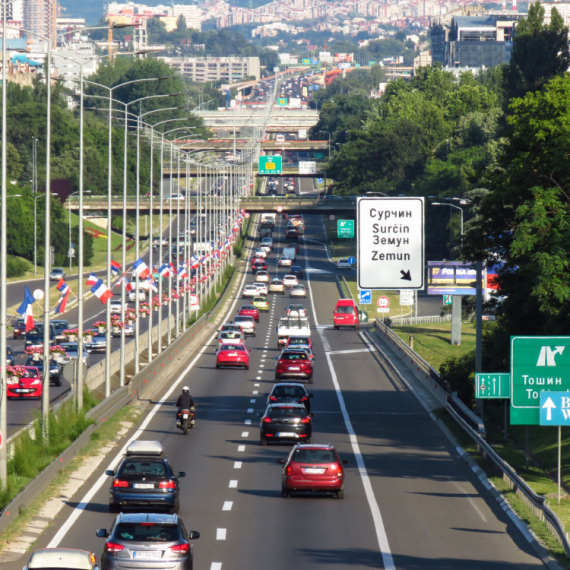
(147, 541)
(246, 323)
(298, 291)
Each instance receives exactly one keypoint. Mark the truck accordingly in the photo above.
(291, 326)
(265, 232)
(290, 252)
(268, 217)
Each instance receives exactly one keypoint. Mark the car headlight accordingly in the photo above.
(12, 380)
(36, 382)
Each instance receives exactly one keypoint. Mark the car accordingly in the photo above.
(262, 276)
(265, 248)
(329, 197)
(98, 341)
(19, 328)
(56, 274)
(260, 303)
(64, 558)
(284, 261)
(230, 337)
(313, 468)
(35, 336)
(249, 291)
(297, 271)
(10, 360)
(54, 369)
(294, 364)
(260, 253)
(117, 306)
(285, 422)
(173, 197)
(290, 280)
(259, 264)
(298, 291)
(262, 288)
(343, 264)
(233, 355)
(60, 326)
(133, 293)
(247, 323)
(346, 314)
(300, 341)
(230, 327)
(251, 311)
(296, 310)
(148, 537)
(267, 241)
(145, 478)
(27, 386)
(292, 235)
(302, 348)
(127, 327)
(276, 286)
(290, 392)
(72, 351)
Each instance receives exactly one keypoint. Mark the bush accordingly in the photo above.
(16, 266)
(459, 372)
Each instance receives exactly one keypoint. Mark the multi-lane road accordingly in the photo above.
(409, 502)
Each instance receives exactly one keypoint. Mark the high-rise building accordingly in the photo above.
(40, 18)
(14, 18)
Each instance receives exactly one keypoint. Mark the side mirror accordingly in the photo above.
(311, 395)
(110, 473)
(282, 461)
(345, 462)
(181, 474)
(193, 535)
(102, 533)
(275, 358)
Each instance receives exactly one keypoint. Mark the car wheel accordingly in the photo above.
(113, 508)
(340, 494)
(58, 382)
(356, 327)
(246, 366)
(262, 442)
(285, 492)
(336, 327)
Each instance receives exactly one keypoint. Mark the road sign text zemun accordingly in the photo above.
(390, 234)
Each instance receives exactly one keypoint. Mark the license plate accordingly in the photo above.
(21, 390)
(294, 368)
(232, 354)
(286, 434)
(314, 471)
(185, 416)
(143, 486)
(146, 554)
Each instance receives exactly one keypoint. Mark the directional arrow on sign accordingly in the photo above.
(549, 405)
(406, 275)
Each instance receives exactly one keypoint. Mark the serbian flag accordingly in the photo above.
(182, 273)
(115, 267)
(140, 268)
(194, 262)
(101, 291)
(152, 284)
(63, 301)
(26, 309)
(164, 270)
(63, 287)
(91, 280)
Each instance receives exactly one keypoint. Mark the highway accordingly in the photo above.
(409, 502)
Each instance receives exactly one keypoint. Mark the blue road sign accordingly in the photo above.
(319, 180)
(554, 408)
(352, 260)
(365, 297)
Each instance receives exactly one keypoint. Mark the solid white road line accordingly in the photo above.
(255, 392)
(221, 533)
(250, 410)
(354, 350)
(247, 422)
(227, 506)
(374, 509)
(257, 384)
(252, 401)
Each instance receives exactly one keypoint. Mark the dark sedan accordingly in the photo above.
(290, 393)
(290, 422)
(54, 369)
(297, 271)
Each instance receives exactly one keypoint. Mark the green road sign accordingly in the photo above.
(270, 165)
(447, 299)
(493, 385)
(345, 228)
(538, 364)
(306, 61)
(282, 102)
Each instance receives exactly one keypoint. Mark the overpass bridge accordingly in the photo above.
(280, 118)
(254, 205)
(268, 146)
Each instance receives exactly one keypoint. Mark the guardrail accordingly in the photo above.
(419, 320)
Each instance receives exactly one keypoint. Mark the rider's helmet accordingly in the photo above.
(186, 389)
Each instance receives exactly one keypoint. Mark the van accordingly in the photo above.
(290, 253)
(346, 314)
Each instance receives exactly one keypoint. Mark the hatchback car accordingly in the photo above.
(300, 341)
(60, 326)
(249, 291)
(290, 392)
(313, 468)
(266, 248)
(98, 342)
(343, 264)
(298, 290)
(247, 324)
(296, 310)
(233, 355)
(285, 422)
(27, 386)
(292, 235)
(297, 271)
(262, 276)
(276, 286)
(71, 352)
(267, 241)
(147, 541)
(294, 364)
(230, 337)
(261, 304)
(290, 280)
(260, 253)
(258, 265)
(54, 369)
(284, 261)
(19, 328)
(56, 274)
(262, 288)
(230, 327)
(251, 311)
(145, 479)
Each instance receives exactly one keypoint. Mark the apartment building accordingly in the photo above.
(204, 69)
(132, 13)
(69, 60)
(40, 18)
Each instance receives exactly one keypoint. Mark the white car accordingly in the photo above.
(133, 295)
(296, 310)
(261, 288)
(343, 264)
(290, 280)
(262, 276)
(265, 248)
(247, 324)
(260, 253)
(285, 262)
(116, 306)
(230, 337)
(276, 286)
(172, 197)
(249, 291)
(267, 241)
(298, 291)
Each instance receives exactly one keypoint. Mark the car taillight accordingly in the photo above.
(266, 420)
(113, 547)
(304, 399)
(167, 485)
(289, 470)
(306, 420)
(273, 398)
(180, 548)
(119, 483)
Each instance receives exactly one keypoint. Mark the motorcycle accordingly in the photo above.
(185, 419)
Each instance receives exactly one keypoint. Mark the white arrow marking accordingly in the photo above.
(549, 405)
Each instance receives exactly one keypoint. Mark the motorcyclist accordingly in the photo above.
(185, 402)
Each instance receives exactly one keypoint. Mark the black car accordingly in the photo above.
(292, 236)
(289, 422)
(9, 357)
(297, 271)
(60, 326)
(145, 479)
(54, 369)
(290, 393)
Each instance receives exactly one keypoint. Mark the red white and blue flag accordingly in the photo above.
(91, 280)
(60, 308)
(152, 284)
(63, 287)
(164, 270)
(182, 273)
(115, 267)
(140, 268)
(26, 309)
(172, 269)
(101, 291)
(194, 262)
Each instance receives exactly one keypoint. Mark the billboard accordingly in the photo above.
(302, 134)
(452, 278)
(343, 57)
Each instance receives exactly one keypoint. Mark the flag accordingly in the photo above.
(172, 269)
(63, 301)
(194, 262)
(140, 268)
(242, 211)
(152, 284)
(26, 309)
(128, 285)
(115, 267)
(101, 291)
(182, 273)
(92, 279)
(63, 287)
(164, 270)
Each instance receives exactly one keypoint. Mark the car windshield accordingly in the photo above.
(233, 347)
(31, 373)
(286, 412)
(298, 288)
(230, 334)
(314, 456)
(294, 340)
(293, 356)
(288, 392)
(141, 532)
(276, 282)
(243, 319)
(142, 468)
(345, 310)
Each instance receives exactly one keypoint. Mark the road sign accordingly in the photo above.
(390, 243)
(383, 310)
(352, 260)
(383, 302)
(447, 299)
(365, 297)
(279, 209)
(270, 165)
(345, 229)
(282, 102)
(247, 215)
(332, 217)
(493, 385)
(538, 364)
(38, 294)
(307, 167)
(319, 180)
(554, 409)
(194, 303)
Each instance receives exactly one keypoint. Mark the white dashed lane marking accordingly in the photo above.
(241, 448)
(221, 534)
(227, 506)
(245, 434)
(233, 484)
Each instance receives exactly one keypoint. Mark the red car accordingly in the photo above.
(19, 328)
(251, 311)
(293, 364)
(28, 386)
(233, 355)
(315, 468)
(259, 264)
